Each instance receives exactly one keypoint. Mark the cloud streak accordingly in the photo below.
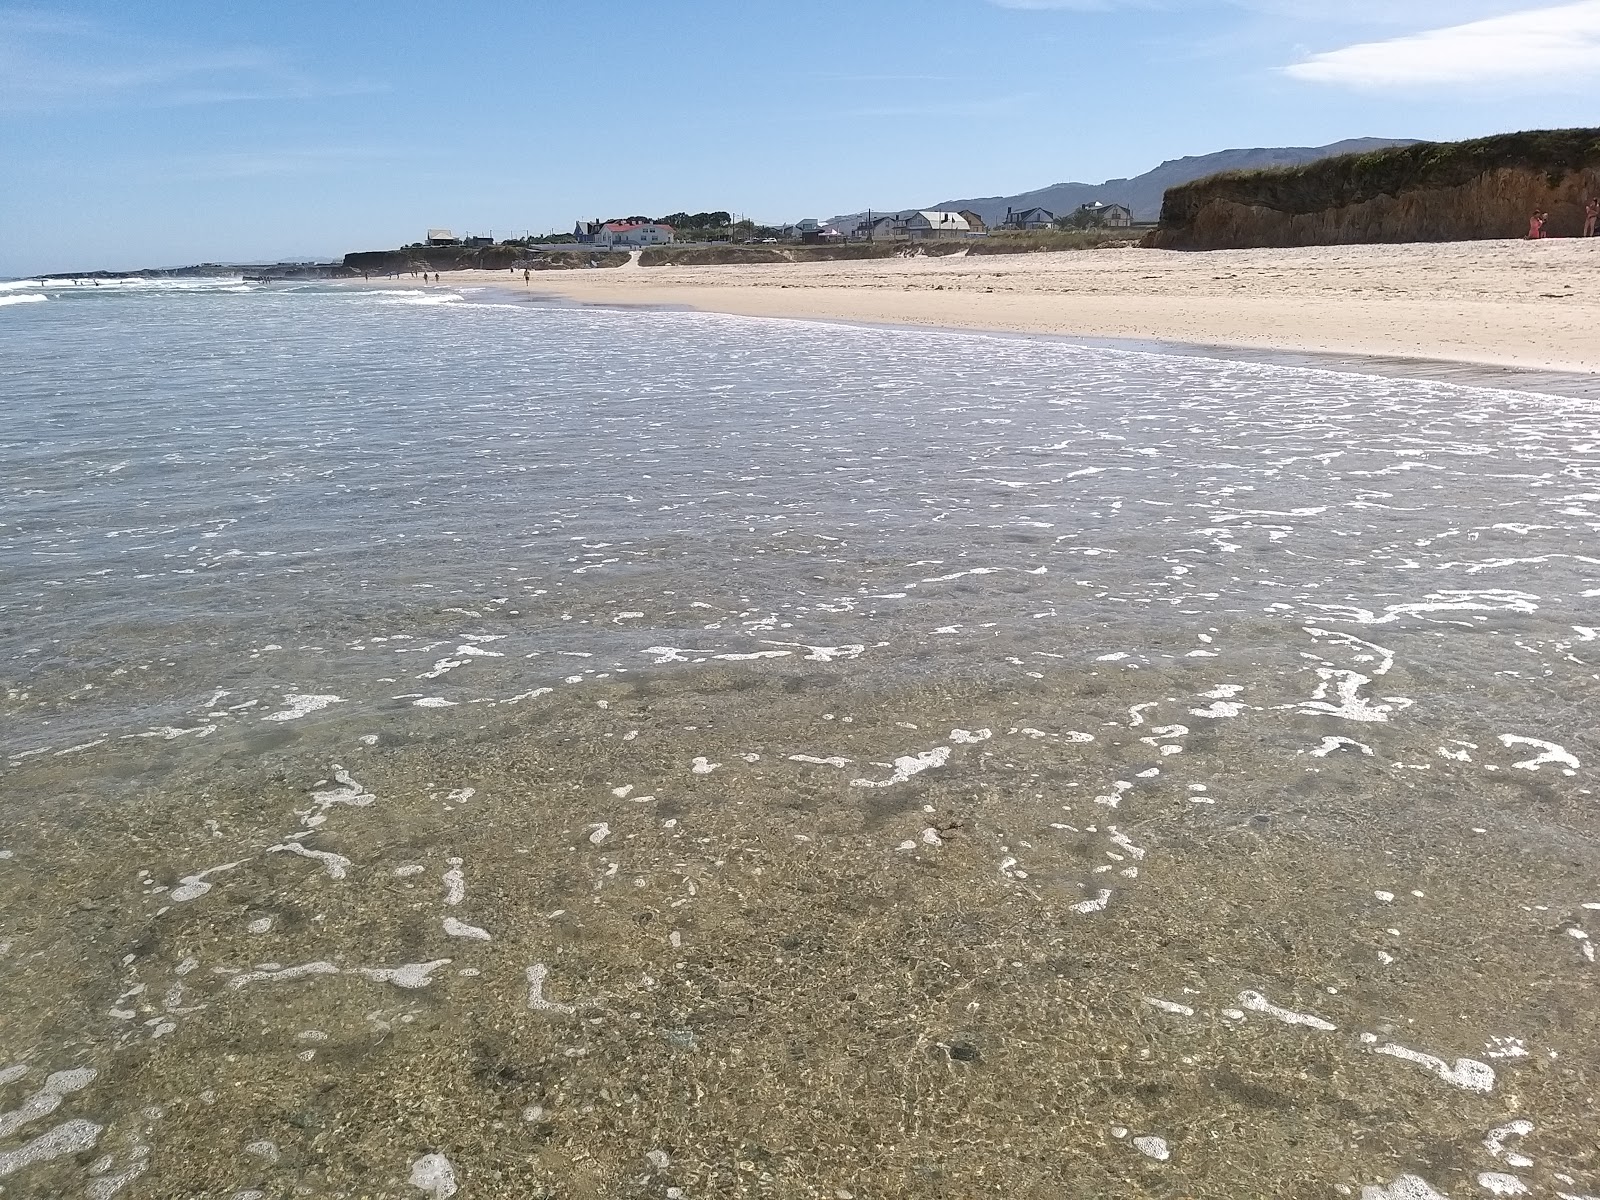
(49, 63)
(1551, 46)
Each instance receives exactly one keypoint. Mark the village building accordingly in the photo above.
(923, 226)
(1028, 218)
(629, 234)
(442, 237)
(975, 223)
(1108, 216)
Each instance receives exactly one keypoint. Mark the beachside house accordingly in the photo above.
(585, 232)
(1105, 216)
(477, 241)
(891, 228)
(975, 223)
(1028, 218)
(442, 237)
(922, 226)
(628, 235)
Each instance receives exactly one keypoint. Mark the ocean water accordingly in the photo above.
(460, 745)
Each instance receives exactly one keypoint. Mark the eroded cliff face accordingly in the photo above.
(1496, 204)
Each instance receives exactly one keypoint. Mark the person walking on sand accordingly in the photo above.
(1591, 215)
(1536, 226)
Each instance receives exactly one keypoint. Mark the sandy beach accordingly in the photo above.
(1507, 303)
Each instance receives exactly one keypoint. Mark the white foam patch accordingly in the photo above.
(57, 1087)
(1097, 904)
(1152, 1147)
(834, 761)
(1466, 1073)
(1498, 1183)
(702, 766)
(433, 1174)
(411, 975)
(1169, 1006)
(536, 976)
(1407, 1187)
(348, 792)
(460, 929)
(908, 765)
(192, 887)
(300, 705)
(337, 866)
(1332, 744)
(1495, 1143)
(1352, 706)
(967, 737)
(1549, 753)
(1256, 1002)
(824, 653)
(70, 1137)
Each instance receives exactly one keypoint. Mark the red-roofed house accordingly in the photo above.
(616, 234)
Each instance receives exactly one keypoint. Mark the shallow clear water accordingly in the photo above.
(620, 752)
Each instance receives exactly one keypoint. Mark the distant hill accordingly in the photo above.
(1143, 193)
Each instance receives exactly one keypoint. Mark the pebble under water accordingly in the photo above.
(454, 746)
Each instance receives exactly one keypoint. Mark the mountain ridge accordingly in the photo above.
(1143, 193)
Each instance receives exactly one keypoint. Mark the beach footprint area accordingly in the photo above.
(660, 755)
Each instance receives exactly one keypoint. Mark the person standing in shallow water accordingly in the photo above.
(1591, 215)
(1536, 226)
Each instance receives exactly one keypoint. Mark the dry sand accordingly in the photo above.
(1533, 305)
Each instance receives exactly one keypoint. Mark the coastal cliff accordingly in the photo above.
(1428, 192)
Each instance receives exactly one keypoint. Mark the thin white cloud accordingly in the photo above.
(1557, 45)
(1332, 12)
(49, 63)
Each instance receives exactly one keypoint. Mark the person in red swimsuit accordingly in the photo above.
(1536, 226)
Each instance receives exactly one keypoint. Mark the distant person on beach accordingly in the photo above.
(1536, 226)
(527, 275)
(1591, 215)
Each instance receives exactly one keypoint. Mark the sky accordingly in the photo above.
(141, 133)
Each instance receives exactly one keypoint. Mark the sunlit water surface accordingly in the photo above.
(455, 745)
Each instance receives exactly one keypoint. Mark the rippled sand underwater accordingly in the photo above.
(495, 751)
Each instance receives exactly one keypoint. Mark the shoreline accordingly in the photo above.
(1512, 306)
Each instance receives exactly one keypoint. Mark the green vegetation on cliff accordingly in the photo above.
(1427, 192)
(1358, 178)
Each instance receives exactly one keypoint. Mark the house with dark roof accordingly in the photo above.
(1106, 216)
(1028, 218)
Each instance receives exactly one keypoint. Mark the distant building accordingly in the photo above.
(826, 235)
(975, 223)
(1028, 218)
(586, 231)
(477, 242)
(921, 226)
(1107, 216)
(891, 228)
(629, 234)
(442, 237)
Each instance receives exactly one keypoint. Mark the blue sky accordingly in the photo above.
(144, 133)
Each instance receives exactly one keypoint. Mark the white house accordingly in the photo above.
(442, 237)
(623, 234)
(920, 226)
(1110, 216)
